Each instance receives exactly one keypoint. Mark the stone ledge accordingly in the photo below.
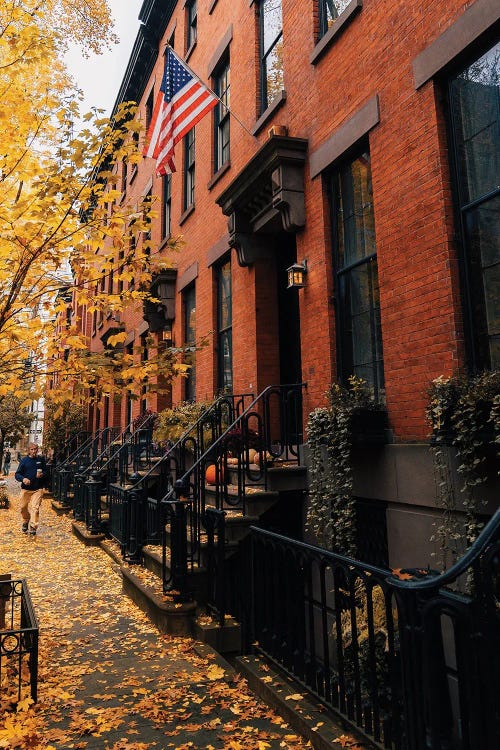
(110, 550)
(59, 508)
(308, 717)
(80, 531)
(174, 619)
(224, 640)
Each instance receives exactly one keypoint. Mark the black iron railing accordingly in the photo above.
(268, 430)
(413, 665)
(121, 461)
(64, 473)
(18, 642)
(450, 650)
(146, 489)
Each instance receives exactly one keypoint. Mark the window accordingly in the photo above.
(221, 88)
(189, 168)
(189, 310)
(224, 327)
(356, 275)
(166, 217)
(149, 110)
(329, 11)
(271, 35)
(124, 176)
(474, 96)
(192, 23)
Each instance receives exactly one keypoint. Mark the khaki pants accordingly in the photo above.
(29, 506)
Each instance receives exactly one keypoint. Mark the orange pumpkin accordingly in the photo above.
(210, 475)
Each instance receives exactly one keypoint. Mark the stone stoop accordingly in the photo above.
(89, 540)
(225, 639)
(306, 715)
(168, 617)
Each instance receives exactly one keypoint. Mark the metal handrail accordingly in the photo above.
(70, 456)
(81, 450)
(126, 444)
(202, 419)
(484, 539)
(220, 441)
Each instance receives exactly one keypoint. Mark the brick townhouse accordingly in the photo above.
(363, 146)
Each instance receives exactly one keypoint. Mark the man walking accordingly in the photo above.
(6, 462)
(30, 473)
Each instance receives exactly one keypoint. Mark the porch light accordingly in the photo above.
(163, 287)
(297, 275)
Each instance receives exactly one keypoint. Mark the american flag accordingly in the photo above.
(182, 101)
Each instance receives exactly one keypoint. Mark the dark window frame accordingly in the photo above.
(191, 24)
(328, 13)
(189, 168)
(466, 209)
(166, 214)
(222, 128)
(265, 53)
(224, 332)
(341, 194)
(188, 305)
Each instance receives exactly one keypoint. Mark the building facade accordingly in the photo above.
(362, 146)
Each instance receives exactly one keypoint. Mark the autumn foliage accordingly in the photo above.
(67, 238)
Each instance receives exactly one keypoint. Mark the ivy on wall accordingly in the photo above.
(331, 513)
(463, 412)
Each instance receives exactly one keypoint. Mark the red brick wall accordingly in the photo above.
(420, 306)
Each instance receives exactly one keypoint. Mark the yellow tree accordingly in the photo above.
(63, 224)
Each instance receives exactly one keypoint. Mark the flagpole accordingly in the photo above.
(168, 46)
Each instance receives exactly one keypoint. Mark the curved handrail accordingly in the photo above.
(220, 440)
(460, 567)
(126, 444)
(59, 465)
(120, 437)
(201, 419)
(81, 449)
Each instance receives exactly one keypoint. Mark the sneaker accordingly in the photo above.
(32, 532)
(24, 528)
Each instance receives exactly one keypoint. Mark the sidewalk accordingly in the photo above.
(107, 679)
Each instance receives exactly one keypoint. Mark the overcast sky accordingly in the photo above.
(100, 76)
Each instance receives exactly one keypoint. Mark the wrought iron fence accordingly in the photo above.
(269, 428)
(18, 641)
(412, 664)
(135, 511)
(331, 622)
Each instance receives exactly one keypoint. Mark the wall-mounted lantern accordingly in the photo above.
(163, 287)
(297, 275)
(161, 314)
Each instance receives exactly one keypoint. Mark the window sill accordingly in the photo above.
(219, 174)
(164, 242)
(134, 174)
(186, 214)
(340, 24)
(190, 51)
(277, 102)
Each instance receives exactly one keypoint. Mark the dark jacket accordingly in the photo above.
(27, 469)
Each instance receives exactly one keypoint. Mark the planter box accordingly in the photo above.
(369, 426)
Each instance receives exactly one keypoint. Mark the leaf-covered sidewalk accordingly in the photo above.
(107, 678)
